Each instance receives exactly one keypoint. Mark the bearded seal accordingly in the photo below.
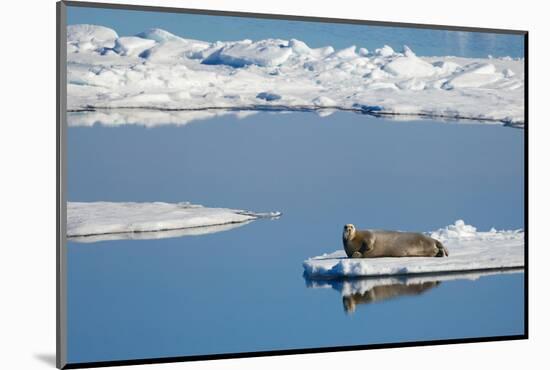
(382, 243)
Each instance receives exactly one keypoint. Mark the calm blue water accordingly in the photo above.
(214, 28)
(243, 290)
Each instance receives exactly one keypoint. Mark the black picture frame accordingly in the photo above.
(61, 167)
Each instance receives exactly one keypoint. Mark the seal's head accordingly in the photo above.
(349, 231)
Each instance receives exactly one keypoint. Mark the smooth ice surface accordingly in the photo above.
(123, 218)
(469, 249)
(159, 70)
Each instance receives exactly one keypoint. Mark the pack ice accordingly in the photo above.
(162, 71)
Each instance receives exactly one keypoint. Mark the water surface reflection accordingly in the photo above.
(364, 291)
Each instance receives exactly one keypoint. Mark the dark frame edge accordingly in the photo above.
(61, 115)
(526, 181)
(222, 356)
(289, 17)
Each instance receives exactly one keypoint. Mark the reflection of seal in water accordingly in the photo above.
(384, 292)
(381, 243)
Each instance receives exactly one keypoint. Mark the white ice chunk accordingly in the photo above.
(132, 46)
(508, 73)
(407, 51)
(363, 52)
(385, 51)
(89, 33)
(88, 37)
(299, 47)
(484, 68)
(446, 67)
(346, 53)
(459, 230)
(158, 35)
(472, 79)
(265, 53)
(171, 51)
(412, 84)
(409, 66)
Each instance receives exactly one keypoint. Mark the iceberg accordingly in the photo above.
(156, 70)
(469, 250)
(95, 221)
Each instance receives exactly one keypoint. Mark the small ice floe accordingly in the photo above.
(469, 250)
(93, 221)
(150, 70)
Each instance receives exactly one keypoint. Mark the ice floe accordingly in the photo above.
(158, 70)
(469, 250)
(95, 221)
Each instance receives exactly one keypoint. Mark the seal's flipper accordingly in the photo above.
(441, 250)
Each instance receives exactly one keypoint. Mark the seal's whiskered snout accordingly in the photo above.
(349, 230)
(349, 227)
